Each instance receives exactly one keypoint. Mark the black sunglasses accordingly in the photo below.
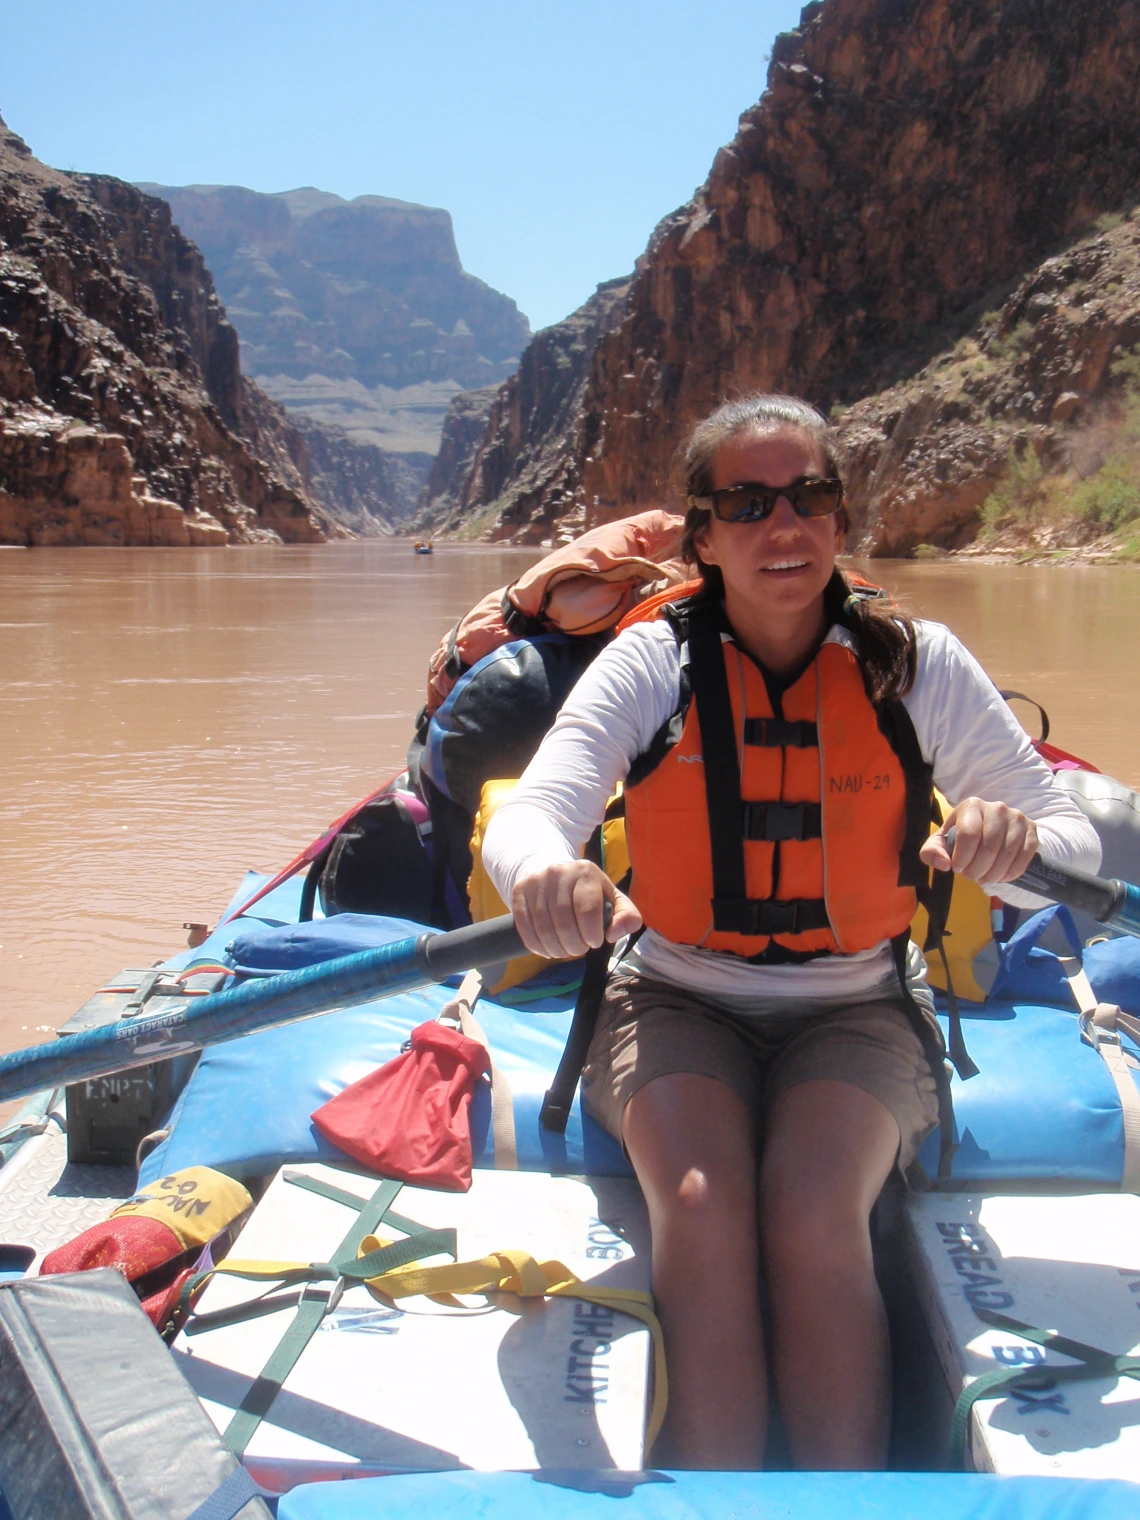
(810, 496)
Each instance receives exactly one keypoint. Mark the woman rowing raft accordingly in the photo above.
(767, 1048)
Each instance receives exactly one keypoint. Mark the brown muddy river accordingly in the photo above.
(172, 717)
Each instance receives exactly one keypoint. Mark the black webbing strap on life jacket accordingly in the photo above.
(734, 912)
(933, 888)
(554, 1115)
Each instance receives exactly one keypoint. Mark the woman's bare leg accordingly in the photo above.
(692, 1143)
(829, 1149)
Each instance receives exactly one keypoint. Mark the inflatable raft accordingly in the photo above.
(1017, 1277)
(495, 1351)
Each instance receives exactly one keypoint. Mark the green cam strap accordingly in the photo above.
(1091, 1363)
(345, 1265)
(352, 1201)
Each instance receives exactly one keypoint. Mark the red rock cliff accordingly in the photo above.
(908, 155)
(907, 158)
(124, 418)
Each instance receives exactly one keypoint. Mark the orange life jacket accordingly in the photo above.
(808, 847)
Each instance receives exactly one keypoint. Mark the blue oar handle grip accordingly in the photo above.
(1112, 903)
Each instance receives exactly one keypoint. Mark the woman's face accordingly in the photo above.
(781, 564)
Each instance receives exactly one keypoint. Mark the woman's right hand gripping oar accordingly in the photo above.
(558, 910)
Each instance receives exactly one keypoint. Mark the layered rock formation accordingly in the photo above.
(124, 417)
(357, 313)
(445, 501)
(910, 162)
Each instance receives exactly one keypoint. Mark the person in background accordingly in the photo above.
(766, 1048)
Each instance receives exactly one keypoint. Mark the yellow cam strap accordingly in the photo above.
(500, 1272)
(518, 1272)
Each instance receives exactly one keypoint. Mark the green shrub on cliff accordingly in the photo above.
(1111, 496)
(1098, 494)
(1019, 499)
(1014, 342)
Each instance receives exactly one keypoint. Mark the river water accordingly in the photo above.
(172, 717)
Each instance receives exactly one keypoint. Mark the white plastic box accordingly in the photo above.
(1067, 1264)
(556, 1383)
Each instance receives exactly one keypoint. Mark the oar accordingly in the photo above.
(1113, 903)
(399, 967)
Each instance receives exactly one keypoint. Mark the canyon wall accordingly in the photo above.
(506, 461)
(124, 416)
(370, 289)
(911, 166)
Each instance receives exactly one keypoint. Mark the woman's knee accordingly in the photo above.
(691, 1141)
(830, 1148)
(808, 1233)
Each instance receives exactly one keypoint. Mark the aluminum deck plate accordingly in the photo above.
(45, 1201)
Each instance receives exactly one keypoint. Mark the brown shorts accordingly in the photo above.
(649, 1029)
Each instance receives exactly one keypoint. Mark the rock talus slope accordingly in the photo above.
(124, 417)
(910, 162)
(1045, 379)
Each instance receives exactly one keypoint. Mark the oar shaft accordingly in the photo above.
(1098, 896)
(1113, 903)
(255, 1005)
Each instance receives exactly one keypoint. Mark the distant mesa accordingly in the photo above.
(356, 313)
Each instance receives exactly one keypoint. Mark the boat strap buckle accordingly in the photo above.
(315, 1291)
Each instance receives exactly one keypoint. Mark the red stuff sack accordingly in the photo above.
(156, 1238)
(411, 1119)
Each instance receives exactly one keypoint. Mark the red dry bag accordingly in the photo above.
(411, 1118)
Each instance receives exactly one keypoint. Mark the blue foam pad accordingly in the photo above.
(246, 1110)
(711, 1496)
(1042, 1107)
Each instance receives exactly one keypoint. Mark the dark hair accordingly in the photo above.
(884, 635)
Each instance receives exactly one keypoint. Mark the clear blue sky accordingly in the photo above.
(556, 132)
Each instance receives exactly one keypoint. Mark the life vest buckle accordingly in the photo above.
(775, 821)
(767, 916)
(780, 733)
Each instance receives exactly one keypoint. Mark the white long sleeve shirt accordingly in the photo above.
(965, 730)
